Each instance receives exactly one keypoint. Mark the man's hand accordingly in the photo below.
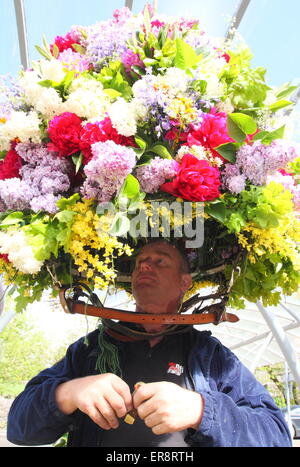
(166, 407)
(104, 398)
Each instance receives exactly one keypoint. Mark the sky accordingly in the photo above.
(270, 27)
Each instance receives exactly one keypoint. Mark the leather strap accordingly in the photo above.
(215, 315)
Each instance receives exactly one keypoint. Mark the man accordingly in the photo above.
(196, 392)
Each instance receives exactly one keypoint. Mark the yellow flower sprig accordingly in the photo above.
(282, 240)
(93, 250)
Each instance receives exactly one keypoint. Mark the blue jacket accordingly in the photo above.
(238, 411)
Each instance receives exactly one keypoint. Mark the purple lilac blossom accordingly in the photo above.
(45, 174)
(46, 202)
(107, 170)
(11, 96)
(144, 91)
(153, 175)
(198, 40)
(237, 184)
(257, 161)
(108, 38)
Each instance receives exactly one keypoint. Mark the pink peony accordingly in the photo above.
(211, 133)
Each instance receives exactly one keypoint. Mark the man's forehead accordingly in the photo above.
(159, 248)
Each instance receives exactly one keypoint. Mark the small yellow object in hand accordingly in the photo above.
(131, 416)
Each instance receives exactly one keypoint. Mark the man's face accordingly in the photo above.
(158, 278)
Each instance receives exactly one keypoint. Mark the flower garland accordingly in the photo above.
(138, 110)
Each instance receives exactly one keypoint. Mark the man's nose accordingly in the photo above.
(145, 265)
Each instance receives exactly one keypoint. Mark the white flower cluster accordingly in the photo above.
(14, 243)
(87, 99)
(125, 115)
(201, 153)
(209, 70)
(22, 125)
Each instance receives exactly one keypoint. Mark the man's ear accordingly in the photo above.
(186, 282)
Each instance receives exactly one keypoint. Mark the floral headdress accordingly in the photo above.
(122, 119)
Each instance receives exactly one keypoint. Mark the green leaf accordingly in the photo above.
(186, 56)
(135, 203)
(267, 137)
(48, 83)
(264, 217)
(55, 51)
(161, 151)
(65, 216)
(120, 225)
(44, 53)
(240, 125)
(149, 61)
(228, 151)
(163, 35)
(281, 104)
(130, 188)
(12, 219)
(2, 155)
(77, 160)
(141, 142)
(81, 50)
(112, 93)
(147, 20)
(217, 210)
(63, 203)
(285, 90)
(67, 81)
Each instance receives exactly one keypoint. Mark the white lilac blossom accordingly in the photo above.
(123, 117)
(106, 172)
(22, 125)
(42, 98)
(87, 99)
(14, 243)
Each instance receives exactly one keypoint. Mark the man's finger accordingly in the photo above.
(97, 418)
(107, 412)
(123, 390)
(117, 403)
(143, 393)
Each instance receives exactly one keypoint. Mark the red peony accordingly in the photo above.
(91, 133)
(101, 131)
(64, 132)
(11, 165)
(64, 42)
(4, 258)
(196, 180)
(212, 132)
